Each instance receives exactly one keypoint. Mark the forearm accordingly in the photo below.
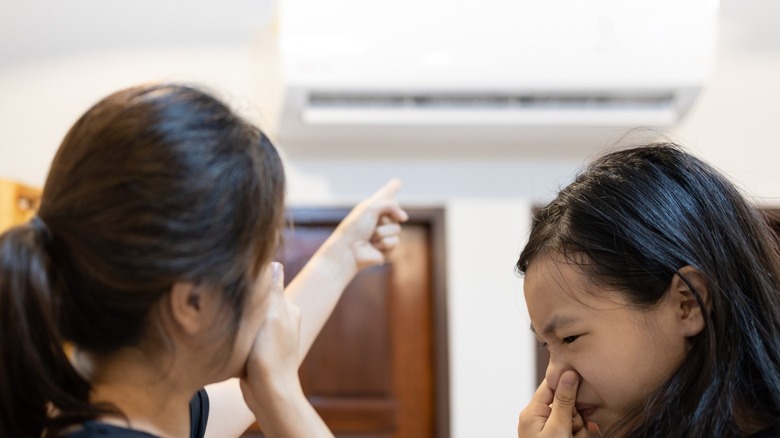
(291, 416)
(317, 288)
(228, 415)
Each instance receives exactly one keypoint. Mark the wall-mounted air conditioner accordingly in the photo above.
(518, 72)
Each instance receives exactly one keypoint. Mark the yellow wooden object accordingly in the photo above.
(18, 203)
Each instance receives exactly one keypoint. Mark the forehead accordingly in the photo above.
(557, 290)
(553, 277)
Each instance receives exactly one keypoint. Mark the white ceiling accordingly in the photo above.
(31, 29)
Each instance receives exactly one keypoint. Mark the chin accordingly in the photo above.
(601, 424)
(595, 419)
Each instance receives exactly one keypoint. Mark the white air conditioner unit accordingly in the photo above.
(516, 72)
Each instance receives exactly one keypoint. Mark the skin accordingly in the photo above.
(620, 354)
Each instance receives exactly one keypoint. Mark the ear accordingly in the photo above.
(688, 313)
(186, 302)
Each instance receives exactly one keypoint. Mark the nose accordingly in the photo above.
(555, 368)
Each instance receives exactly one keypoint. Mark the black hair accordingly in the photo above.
(153, 185)
(638, 216)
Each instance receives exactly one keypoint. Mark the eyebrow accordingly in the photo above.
(555, 323)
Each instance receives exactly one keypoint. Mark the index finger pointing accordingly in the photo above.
(388, 190)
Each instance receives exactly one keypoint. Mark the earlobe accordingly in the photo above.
(690, 314)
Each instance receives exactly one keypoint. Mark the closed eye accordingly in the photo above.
(566, 340)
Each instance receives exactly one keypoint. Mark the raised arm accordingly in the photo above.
(363, 239)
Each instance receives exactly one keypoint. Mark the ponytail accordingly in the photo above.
(37, 379)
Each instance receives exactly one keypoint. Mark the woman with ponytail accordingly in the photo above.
(151, 256)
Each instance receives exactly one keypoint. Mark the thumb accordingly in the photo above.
(277, 279)
(389, 211)
(563, 406)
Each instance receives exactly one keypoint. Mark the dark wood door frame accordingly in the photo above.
(433, 219)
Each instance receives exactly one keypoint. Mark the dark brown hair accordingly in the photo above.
(153, 185)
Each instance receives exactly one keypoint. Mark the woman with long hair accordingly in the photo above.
(151, 255)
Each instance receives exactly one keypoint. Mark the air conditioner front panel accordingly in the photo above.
(509, 72)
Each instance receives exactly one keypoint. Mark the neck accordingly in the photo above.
(152, 395)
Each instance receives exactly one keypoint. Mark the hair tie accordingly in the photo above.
(41, 228)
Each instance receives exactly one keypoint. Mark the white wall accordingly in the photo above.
(734, 123)
(491, 369)
(54, 63)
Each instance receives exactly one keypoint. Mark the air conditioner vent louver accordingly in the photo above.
(625, 108)
(555, 101)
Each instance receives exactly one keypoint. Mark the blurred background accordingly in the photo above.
(482, 110)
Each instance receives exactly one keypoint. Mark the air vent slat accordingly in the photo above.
(491, 101)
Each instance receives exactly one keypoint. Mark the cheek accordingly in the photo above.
(255, 311)
(252, 318)
(626, 377)
(245, 338)
(607, 372)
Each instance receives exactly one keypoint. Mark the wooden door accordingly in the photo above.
(378, 369)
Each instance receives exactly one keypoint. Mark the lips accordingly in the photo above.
(586, 410)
